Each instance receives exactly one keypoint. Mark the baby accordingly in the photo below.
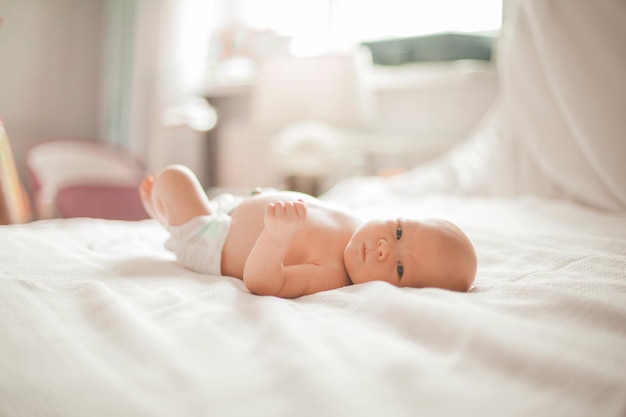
(290, 244)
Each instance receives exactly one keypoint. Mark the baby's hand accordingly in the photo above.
(284, 219)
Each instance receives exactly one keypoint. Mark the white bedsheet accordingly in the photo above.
(97, 319)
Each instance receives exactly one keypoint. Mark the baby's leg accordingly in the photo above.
(174, 196)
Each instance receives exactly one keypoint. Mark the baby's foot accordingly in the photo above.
(145, 192)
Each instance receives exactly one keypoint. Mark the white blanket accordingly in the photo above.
(96, 318)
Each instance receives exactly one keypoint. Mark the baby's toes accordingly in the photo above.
(145, 193)
(146, 185)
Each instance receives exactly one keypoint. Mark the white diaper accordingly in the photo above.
(198, 243)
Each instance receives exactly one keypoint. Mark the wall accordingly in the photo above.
(50, 55)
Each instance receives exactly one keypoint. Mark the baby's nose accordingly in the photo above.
(382, 249)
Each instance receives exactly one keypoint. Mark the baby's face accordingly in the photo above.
(411, 253)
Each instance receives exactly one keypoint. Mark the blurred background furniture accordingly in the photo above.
(419, 111)
(73, 178)
(312, 107)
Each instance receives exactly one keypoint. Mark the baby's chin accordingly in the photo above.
(355, 279)
(355, 275)
(361, 276)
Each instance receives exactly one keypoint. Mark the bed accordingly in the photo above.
(98, 319)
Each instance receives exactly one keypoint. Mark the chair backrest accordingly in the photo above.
(83, 178)
(14, 204)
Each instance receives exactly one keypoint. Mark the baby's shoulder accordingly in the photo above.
(331, 274)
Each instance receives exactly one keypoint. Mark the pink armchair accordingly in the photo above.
(74, 178)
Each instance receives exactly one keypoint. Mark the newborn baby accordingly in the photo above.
(289, 244)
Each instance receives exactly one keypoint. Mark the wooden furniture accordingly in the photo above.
(14, 204)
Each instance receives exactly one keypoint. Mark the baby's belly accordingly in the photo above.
(247, 225)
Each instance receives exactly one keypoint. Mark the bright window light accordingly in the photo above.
(315, 24)
(367, 20)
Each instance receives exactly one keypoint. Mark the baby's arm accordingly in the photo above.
(264, 272)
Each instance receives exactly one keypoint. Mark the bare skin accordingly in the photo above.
(290, 244)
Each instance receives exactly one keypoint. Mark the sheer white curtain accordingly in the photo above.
(557, 130)
(155, 55)
(118, 50)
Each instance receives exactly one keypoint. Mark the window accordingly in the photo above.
(320, 24)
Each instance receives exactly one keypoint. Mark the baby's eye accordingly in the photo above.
(400, 269)
(399, 232)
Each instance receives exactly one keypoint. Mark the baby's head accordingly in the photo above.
(411, 253)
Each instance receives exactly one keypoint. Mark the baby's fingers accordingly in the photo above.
(300, 209)
(270, 210)
(294, 210)
(286, 209)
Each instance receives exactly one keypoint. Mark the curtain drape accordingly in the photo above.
(155, 56)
